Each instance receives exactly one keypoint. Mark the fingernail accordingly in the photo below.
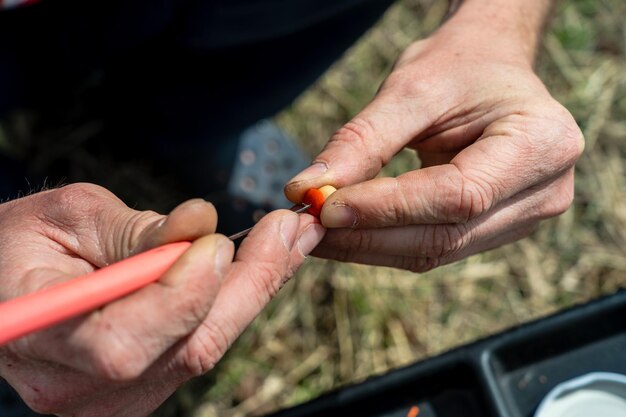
(310, 238)
(288, 229)
(223, 257)
(311, 172)
(339, 215)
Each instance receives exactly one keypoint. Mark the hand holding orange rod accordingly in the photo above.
(45, 308)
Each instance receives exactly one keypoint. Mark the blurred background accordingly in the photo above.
(335, 324)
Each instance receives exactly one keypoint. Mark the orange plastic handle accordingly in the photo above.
(32, 312)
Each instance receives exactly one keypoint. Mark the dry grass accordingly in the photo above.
(336, 324)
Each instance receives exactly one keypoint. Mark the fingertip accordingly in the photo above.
(188, 221)
(295, 190)
(310, 238)
(278, 229)
(209, 255)
(338, 215)
(224, 255)
(311, 177)
(201, 211)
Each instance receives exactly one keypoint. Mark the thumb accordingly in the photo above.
(360, 148)
(188, 221)
(93, 223)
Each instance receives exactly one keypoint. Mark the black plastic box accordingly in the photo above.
(506, 375)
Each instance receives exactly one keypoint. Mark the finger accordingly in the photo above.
(272, 252)
(91, 222)
(100, 242)
(132, 232)
(127, 336)
(358, 150)
(264, 264)
(418, 263)
(503, 163)
(432, 245)
(188, 221)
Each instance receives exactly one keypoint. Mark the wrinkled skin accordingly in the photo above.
(127, 357)
(497, 154)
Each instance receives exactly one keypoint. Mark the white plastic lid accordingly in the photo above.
(595, 394)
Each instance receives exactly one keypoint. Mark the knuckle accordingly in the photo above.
(445, 240)
(267, 282)
(477, 198)
(79, 196)
(203, 354)
(353, 134)
(558, 202)
(118, 366)
(357, 130)
(400, 208)
(461, 199)
(198, 299)
(573, 141)
(119, 359)
(341, 254)
(395, 205)
(68, 207)
(409, 82)
(62, 204)
(565, 139)
(360, 135)
(361, 240)
(564, 201)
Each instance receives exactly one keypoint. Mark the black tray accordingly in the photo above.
(505, 375)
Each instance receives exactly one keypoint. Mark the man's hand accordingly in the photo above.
(497, 150)
(127, 357)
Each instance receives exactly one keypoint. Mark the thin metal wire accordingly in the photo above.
(245, 232)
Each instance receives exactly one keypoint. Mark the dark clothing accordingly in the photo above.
(162, 54)
(176, 78)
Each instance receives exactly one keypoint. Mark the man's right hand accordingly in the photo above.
(497, 151)
(126, 358)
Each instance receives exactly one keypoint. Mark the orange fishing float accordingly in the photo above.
(316, 198)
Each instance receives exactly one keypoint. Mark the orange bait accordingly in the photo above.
(414, 411)
(316, 198)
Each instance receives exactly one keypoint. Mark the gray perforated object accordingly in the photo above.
(266, 160)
